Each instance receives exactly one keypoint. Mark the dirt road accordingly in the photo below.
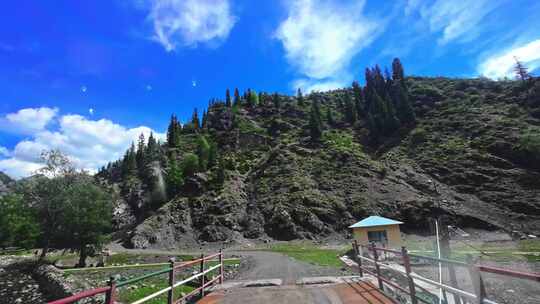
(271, 265)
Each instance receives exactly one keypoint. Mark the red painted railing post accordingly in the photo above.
(202, 276)
(221, 272)
(170, 294)
(377, 267)
(357, 258)
(109, 296)
(407, 265)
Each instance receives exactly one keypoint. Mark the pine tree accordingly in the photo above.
(172, 132)
(521, 70)
(276, 100)
(195, 120)
(237, 100)
(140, 157)
(252, 98)
(203, 151)
(315, 124)
(204, 118)
(131, 161)
(212, 154)
(175, 178)
(397, 70)
(228, 98)
(152, 148)
(190, 164)
(350, 110)
(330, 117)
(358, 98)
(300, 97)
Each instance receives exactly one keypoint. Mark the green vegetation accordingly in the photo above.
(61, 208)
(129, 294)
(311, 254)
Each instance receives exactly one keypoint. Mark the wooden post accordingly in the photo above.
(476, 280)
(170, 294)
(357, 258)
(377, 267)
(221, 272)
(407, 265)
(109, 296)
(202, 276)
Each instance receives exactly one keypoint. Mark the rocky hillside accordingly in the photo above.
(5, 183)
(473, 155)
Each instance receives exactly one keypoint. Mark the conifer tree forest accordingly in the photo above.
(382, 106)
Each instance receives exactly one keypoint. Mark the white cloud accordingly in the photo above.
(455, 20)
(310, 85)
(89, 143)
(189, 22)
(502, 64)
(321, 38)
(27, 121)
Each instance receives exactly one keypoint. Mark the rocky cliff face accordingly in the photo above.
(473, 156)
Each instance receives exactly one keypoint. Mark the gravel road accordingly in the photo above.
(271, 265)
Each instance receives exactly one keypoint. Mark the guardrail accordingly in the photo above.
(479, 295)
(110, 290)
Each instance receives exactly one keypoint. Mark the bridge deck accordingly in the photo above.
(359, 292)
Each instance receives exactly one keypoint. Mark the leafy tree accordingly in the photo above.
(203, 152)
(18, 222)
(70, 208)
(300, 97)
(315, 124)
(190, 164)
(175, 178)
(87, 216)
(228, 98)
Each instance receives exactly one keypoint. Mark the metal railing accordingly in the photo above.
(479, 295)
(110, 290)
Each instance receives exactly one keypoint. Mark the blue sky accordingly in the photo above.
(88, 76)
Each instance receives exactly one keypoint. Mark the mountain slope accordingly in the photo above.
(473, 155)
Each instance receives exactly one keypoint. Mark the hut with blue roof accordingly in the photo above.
(380, 230)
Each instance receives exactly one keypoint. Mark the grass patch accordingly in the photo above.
(128, 294)
(310, 254)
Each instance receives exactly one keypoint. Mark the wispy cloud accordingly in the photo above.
(89, 143)
(189, 22)
(501, 64)
(459, 21)
(4, 152)
(320, 38)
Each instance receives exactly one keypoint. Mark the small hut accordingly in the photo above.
(380, 230)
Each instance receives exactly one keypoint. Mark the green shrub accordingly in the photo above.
(418, 136)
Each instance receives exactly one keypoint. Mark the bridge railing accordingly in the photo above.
(110, 290)
(420, 284)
